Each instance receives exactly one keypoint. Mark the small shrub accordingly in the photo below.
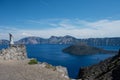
(33, 61)
(49, 66)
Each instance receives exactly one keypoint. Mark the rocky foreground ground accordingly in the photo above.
(14, 66)
(21, 70)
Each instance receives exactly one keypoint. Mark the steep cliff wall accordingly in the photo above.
(17, 52)
(105, 70)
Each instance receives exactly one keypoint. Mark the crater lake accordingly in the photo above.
(52, 54)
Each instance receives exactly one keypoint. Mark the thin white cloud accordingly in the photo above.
(61, 27)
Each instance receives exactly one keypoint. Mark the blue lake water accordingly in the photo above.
(53, 55)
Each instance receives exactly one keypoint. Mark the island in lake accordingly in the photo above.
(82, 49)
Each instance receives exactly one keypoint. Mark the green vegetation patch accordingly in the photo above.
(33, 61)
(49, 66)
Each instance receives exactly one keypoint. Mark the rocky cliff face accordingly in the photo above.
(62, 40)
(68, 40)
(115, 41)
(17, 52)
(105, 70)
(71, 40)
(51, 40)
(31, 40)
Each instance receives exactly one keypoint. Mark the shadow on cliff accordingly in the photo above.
(108, 69)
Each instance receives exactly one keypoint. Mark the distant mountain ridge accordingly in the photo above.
(52, 40)
(114, 41)
(4, 42)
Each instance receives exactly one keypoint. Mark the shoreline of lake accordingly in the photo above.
(53, 54)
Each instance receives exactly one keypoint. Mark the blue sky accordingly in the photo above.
(44, 18)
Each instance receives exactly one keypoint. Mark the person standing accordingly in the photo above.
(11, 40)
